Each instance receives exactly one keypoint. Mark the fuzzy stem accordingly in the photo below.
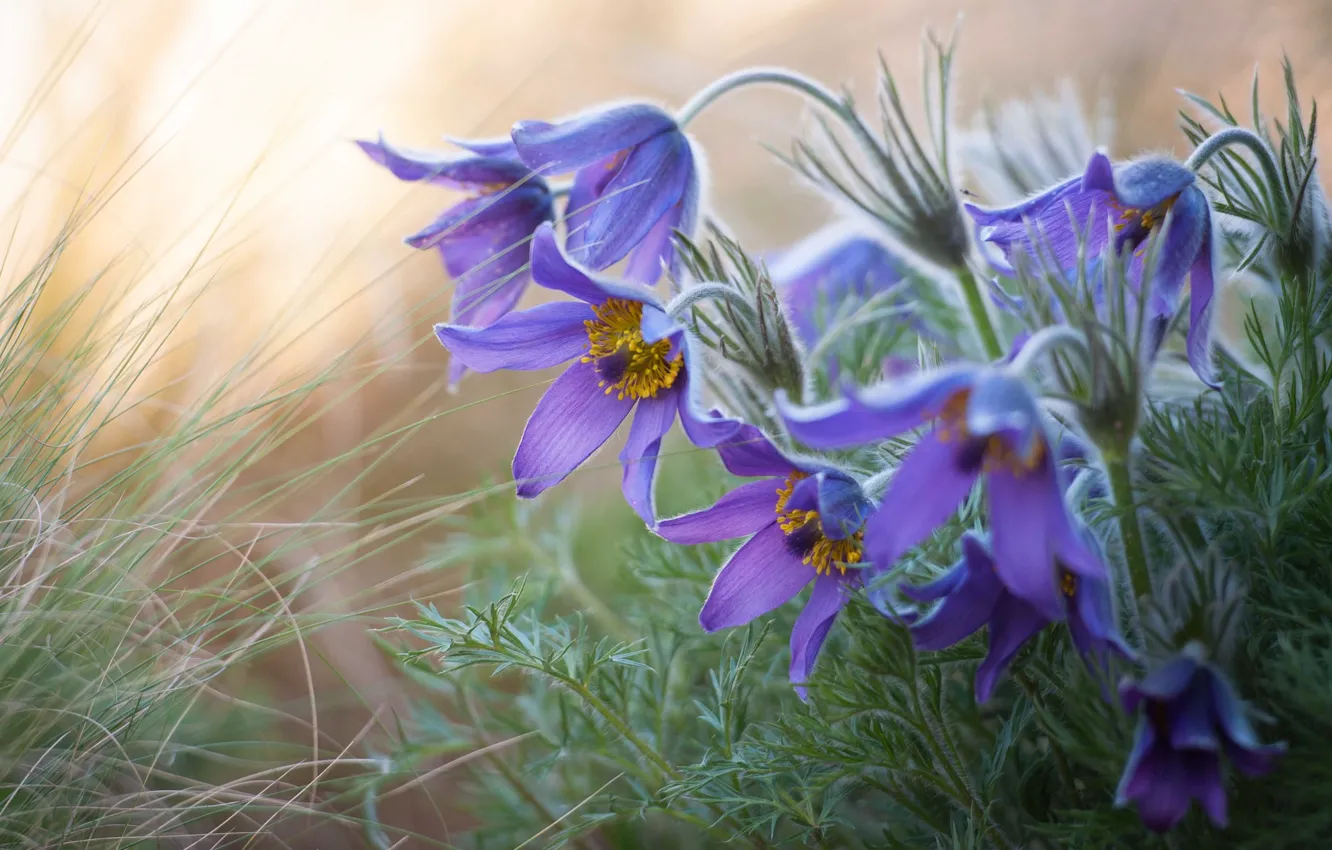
(980, 316)
(811, 89)
(1130, 531)
(1214, 143)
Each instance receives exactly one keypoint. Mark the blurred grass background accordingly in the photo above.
(211, 140)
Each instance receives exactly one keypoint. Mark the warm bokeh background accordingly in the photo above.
(213, 138)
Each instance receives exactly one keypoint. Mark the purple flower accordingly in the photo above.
(829, 267)
(1188, 716)
(484, 240)
(1129, 202)
(626, 352)
(984, 423)
(635, 182)
(806, 525)
(974, 596)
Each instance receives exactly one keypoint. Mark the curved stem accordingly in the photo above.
(980, 316)
(812, 89)
(1130, 531)
(707, 292)
(1214, 143)
(1055, 336)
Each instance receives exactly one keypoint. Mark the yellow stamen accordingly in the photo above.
(1068, 584)
(617, 331)
(1146, 219)
(823, 553)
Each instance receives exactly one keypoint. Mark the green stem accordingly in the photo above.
(980, 316)
(1130, 531)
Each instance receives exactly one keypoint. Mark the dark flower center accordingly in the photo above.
(804, 534)
(990, 453)
(624, 362)
(1134, 224)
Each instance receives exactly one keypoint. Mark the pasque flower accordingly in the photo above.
(817, 275)
(635, 182)
(484, 240)
(983, 422)
(974, 596)
(806, 524)
(1188, 716)
(1120, 208)
(627, 354)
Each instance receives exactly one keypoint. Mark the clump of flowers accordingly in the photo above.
(1032, 393)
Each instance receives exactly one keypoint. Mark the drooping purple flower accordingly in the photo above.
(627, 354)
(985, 422)
(1188, 716)
(806, 524)
(974, 596)
(635, 182)
(819, 274)
(485, 240)
(1129, 203)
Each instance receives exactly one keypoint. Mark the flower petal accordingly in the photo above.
(1026, 508)
(812, 626)
(1203, 780)
(831, 266)
(651, 182)
(741, 512)
(655, 250)
(762, 575)
(750, 454)
(1148, 182)
(703, 430)
(544, 336)
(1250, 756)
(652, 420)
(1201, 286)
(1164, 683)
(925, 491)
(502, 221)
(1013, 623)
(460, 172)
(1185, 227)
(1163, 793)
(1135, 781)
(842, 505)
(588, 184)
(571, 421)
(502, 147)
(883, 410)
(553, 270)
(1189, 718)
(972, 592)
(582, 139)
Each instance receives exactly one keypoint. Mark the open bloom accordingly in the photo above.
(984, 422)
(627, 354)
(635, 182)
(834, 265)
(974, 596)
(806, 524)
(1121, 208)
(1188, 716)
(484, 241)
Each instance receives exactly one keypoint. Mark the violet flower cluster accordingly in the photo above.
(977, 421)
